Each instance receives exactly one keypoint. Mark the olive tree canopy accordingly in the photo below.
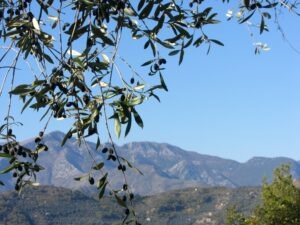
(69, 50)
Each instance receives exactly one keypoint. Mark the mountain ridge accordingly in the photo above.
(165, 167)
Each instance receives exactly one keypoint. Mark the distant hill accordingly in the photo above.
(192, 206)
(165, 167)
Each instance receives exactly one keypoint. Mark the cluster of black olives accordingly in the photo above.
(16, 10)
(157, 66)
(195, 1)
(22, 168)
(111, 155)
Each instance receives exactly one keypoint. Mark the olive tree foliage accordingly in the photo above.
(70, 51)
(280, 203)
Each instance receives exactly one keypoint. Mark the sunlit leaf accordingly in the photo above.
(117, 125)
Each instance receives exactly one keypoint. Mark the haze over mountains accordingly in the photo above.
(165, 167)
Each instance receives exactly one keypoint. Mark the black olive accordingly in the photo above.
(9, 132)
(253, 6)
(20, 168)
(69, 104)
(91, 180)
(162, 61)
(156, 66)
(30, 15)
(17, 187)
(132, 80)
(122, 98)
(36, 168)
(37, 140)
(104, 150)
(10, 11)
(131, 196)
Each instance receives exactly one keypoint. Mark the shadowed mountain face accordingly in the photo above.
(165, 167)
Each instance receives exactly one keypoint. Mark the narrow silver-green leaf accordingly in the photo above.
(117, 125)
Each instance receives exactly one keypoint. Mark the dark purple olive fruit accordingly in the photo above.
(69, 104)
(20, 168)
(10, 11)
(120, 167)
(37, 140)
(132, 80)
(253, 6)
(104, 150)
(125, 187)
(127, 211)
(36, 168)
(162, 61)
(131, 196)
(30, 15)
(91, 180)
(122, 98)
(17, 187)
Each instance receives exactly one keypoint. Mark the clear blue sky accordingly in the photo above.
(230, 103)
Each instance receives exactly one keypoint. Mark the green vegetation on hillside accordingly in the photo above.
(51, 205)
(280, 203)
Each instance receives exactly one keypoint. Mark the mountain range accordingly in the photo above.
(165, 167)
